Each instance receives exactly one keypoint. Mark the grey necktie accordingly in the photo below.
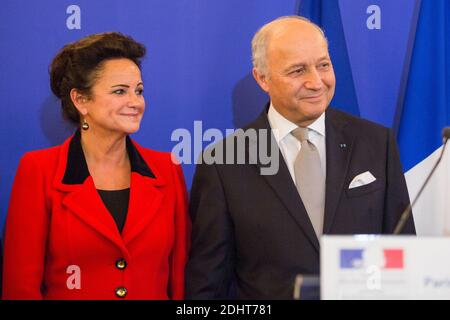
(310, 179)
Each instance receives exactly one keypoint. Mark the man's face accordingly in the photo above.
(300, 78)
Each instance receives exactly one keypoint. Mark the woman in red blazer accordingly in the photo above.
(98, 217)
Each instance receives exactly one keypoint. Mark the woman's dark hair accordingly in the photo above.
(78, 64)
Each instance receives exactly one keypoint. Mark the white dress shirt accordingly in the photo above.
(289, 145)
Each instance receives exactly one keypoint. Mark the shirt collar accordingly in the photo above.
(318, 126)
(77, 170)
(283, 126)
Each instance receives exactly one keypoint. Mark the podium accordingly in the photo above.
(384, 267)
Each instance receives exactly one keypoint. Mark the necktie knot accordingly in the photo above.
(300, 133)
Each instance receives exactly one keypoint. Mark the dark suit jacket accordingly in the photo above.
(252, 230)
(57, 219)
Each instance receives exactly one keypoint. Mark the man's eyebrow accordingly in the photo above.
(295, 66)
(324, 58)
(302, 64)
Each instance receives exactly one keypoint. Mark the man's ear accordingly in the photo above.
(261, 79)
(79, 100)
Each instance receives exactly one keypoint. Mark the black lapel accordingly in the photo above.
(282, 183)
(77, 170)
(339, 145)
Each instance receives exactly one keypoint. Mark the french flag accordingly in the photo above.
(354, 259)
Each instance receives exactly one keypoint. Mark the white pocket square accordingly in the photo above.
(362, 180)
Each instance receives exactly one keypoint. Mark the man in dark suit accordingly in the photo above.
(337, 174)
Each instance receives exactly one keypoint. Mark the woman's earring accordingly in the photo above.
(85, 125)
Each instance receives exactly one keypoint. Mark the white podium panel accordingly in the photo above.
(384, 267)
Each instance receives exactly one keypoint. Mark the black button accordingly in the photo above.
(121, 292)
(121, 264)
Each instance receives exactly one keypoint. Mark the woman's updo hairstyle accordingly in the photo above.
(77, 65)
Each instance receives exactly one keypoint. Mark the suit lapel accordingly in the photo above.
(80, 195)
(85, 202)
(145, 199)
(82, 198)
(339, 145)
(282, 183)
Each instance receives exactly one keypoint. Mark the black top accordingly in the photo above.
(116, 201)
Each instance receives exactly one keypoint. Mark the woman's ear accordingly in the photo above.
(79, 100)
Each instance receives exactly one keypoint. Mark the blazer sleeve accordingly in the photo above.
(26, 233)
(397, 197)
(180, 250)
(210, 269)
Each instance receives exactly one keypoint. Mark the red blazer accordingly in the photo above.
(62, 243)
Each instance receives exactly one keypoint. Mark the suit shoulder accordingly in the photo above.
(357, 123)
(42, 156)
(42, 163)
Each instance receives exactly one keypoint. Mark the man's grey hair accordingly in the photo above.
(261, 38)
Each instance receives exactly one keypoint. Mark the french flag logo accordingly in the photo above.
(360, 258)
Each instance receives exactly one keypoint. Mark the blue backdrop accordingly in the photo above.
(198, 65)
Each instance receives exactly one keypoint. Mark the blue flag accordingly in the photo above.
(396, 72)
(327, 15)
(426, 110)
